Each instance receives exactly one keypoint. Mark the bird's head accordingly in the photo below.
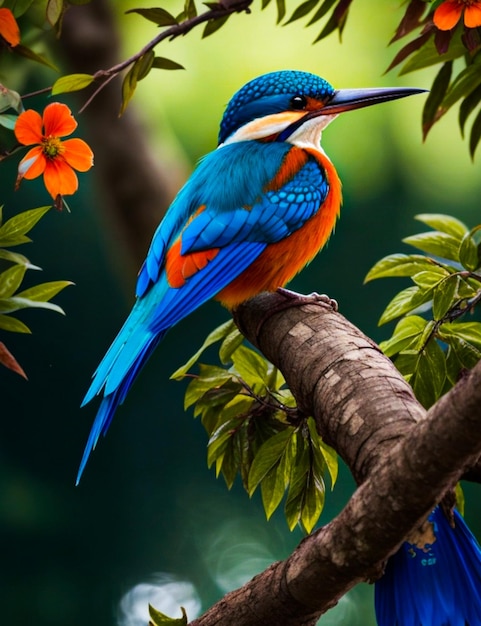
(282, 106)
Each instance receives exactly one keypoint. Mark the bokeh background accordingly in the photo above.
(149, 521)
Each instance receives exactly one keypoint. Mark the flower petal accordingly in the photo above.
(33, 164)
(28, 128)
(9, 29)
(447, 15)
(59, 178)
(58, 120)
(78, 154)
(472, 15)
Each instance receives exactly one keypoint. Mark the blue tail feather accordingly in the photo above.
(437, 585)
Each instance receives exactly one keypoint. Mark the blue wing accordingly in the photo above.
(239, 218)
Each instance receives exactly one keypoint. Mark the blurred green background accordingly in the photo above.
(149, 521)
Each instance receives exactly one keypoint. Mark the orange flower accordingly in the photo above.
(448, 14)
(53, 158)
(9, 29)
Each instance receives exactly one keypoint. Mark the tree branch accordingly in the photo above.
(340, 377)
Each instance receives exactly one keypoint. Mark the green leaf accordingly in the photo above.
(210, 377)
(8, 120)
(45, 291)
(274, 484)
(18, 7)
(462, 354)
(464, 84)
(268, 455)
(54, 11)
(405, 336)
(250, 366)
(14, 257)
(403, 302)
(13, 230)
(437, 243)
(303, 9)
(11, 279)
(145, 64)
(166, 64)
(71, 82)
(428, 55)
(444, 223)
(10, 99)
(281, 10)
(329, 455)
(430, 374)
(467, 107)
(7, 322)
(9, 305)
(220, 439)
(428, 279)
(25, 52)
(438, 90)
(468, 253)
(313, 502)
(445, 296)
(230, 344)
(297, 487)
(321, 11)
(399, 265)
(216, 335)
(214, 25)
(190, 9)
(159, 16)
(159, 619)
(470, 332)
(475, 135)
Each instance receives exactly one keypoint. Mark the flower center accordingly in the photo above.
(52, 147)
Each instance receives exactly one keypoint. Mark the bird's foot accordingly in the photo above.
(298, 299)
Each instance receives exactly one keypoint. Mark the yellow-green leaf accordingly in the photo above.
(72, 82)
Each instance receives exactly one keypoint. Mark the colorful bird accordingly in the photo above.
(254, 212)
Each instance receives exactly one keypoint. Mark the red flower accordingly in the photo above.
(9, 29)
(448, 14)
(52, 157)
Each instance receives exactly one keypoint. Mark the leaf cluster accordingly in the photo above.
(13, 232)
(255, 430)
(429, 345)
(452, 84)
(317, 10)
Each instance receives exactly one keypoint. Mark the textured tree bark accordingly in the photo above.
(406, 459)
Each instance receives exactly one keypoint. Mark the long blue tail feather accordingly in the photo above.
(438, 585)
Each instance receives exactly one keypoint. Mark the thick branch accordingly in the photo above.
(362, 405)
(417, 458)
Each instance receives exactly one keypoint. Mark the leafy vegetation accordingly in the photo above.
(430, 345)
(13, 233)
(255, 430)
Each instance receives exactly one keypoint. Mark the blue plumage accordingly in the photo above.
(240, 218)
(438, 585)
(270, 93)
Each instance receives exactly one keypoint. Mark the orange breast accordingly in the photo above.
(281, 261)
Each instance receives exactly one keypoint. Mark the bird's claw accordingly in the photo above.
(310, 298)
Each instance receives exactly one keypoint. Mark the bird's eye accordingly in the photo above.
(298, 103)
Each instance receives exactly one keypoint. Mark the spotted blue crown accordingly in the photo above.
(268, 94)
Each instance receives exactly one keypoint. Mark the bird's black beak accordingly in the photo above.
(350, 99)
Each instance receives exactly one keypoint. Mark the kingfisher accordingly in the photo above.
(254, 212)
